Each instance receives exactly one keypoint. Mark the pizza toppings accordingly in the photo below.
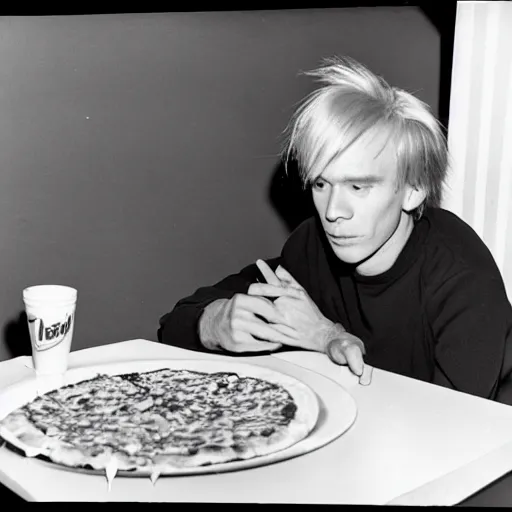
(159, 420)
(154, 475)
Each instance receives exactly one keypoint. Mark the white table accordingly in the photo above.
(412, 443)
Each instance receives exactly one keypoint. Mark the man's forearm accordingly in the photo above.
(208, 323)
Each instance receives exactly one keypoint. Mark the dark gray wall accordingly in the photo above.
(136, 151)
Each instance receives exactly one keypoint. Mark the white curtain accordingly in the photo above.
(479, 188)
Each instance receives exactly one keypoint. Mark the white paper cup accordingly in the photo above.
(51, 317)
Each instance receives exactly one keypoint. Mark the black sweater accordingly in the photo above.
(439, 314)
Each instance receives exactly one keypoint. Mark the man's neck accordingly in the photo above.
(388, 253)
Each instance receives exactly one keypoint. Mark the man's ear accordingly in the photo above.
(413, 197)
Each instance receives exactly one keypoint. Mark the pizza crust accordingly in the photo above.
(18, 431)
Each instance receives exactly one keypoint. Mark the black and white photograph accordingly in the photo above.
(257, 255)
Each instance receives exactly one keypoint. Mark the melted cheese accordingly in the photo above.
(111, 471)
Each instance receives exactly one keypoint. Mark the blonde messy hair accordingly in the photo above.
(354, 100)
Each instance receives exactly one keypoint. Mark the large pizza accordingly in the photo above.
(163, 420)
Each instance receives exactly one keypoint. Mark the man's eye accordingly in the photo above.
(360, 188)
(318, 184)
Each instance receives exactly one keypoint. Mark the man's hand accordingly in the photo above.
(241, 324)
(303, 323)
(299, 317)
(347, 349)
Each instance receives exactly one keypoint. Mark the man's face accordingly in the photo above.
(360, 204)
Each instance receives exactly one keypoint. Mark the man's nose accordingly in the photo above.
(338, 207)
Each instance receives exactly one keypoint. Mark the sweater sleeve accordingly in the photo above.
(471, 322)
(179, 326)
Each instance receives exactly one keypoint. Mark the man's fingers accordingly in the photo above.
(288, 331)
(268, 273)
(260, 346)
(335, 353)
(366, 377)
(354, 358)
(284, 275)
(346, 353)
(261, 330)
(249, 344)
(270, 290)
(279, 277)
(260, 306)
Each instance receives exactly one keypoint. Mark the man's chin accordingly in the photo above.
(349, 255)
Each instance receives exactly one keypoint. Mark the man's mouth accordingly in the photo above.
(342, 239)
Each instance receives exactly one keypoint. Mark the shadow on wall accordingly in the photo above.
(291, 202)
(17, 337)
(443, 17)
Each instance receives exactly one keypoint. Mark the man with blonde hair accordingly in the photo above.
(381, 275)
